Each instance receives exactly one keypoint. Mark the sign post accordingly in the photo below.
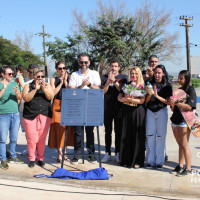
(82, 108)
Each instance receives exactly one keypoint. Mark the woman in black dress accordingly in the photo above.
(132, 149)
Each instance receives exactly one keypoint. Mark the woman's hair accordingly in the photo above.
(58, 63)
(186, 74)
(165, 77)
(140, 80)
(19, 68)
(36, 70)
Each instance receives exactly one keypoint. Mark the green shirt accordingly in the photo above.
(8, 101)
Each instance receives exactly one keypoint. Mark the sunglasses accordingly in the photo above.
(83, 62)
(60, 68)
(40, 76)
(30, 72)
(9, 74)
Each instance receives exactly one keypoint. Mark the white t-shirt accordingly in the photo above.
(77, 77)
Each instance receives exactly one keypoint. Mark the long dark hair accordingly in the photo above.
(186, 74)
(58, 63)
(165, 77)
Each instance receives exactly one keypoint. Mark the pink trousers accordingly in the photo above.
(36, 133)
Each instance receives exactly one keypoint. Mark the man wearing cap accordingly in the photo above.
(84, 78)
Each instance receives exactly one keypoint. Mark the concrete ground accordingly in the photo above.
(144, 184)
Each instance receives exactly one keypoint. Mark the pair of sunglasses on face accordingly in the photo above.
(39, 76)
(60, 68)
(30, 72)
(83, 62)
(9, 74)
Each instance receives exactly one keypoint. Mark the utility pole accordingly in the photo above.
(43, 34)
(187, 25)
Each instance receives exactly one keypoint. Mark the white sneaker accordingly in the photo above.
(106, 158)
(117, 157)
(24, 153)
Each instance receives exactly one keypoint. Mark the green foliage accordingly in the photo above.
(12, 55)
(114, 34)
(112, 38)
(195, 82)
(119, 38)
(66, 51)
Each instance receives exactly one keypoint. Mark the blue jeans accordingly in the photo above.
(8, 122)
(156, 131)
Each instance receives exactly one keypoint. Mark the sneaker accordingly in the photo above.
(106, 158)
(41, 163)
(8, 156)
(159, 167)
(184, 172)
(166, 157)
(148, 166)
(92, 159)
(24, 153)
(4, 164)
(75, 160)
(15, 160)
(31, 164)
(117, 157)
(177, 169)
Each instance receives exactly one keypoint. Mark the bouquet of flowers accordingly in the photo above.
(134, 90)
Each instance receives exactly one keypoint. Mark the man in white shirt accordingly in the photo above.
(84, 78)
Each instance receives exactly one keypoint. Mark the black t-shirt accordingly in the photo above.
(191, 100)
(38, 105)
(59, 94)
(164, 89)
(111, 104)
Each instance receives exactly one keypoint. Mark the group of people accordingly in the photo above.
(140, 123)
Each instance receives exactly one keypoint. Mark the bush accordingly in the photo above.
(195, 82)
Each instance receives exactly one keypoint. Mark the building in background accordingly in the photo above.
(195, 66)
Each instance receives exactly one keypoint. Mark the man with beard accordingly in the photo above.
(148, 73)
(112, 83)
(84, 78)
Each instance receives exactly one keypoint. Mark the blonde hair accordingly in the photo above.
(140, 80)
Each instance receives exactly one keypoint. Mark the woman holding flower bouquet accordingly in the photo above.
(156, 118)
(132, 150)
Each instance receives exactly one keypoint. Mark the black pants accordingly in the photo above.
(108, 120)
(79, 130)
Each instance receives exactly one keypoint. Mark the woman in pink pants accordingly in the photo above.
(37, 116)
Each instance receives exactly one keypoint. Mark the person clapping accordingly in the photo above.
(37, 115)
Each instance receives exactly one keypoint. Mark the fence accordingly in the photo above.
(195, 82)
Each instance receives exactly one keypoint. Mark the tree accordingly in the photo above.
(23, 40)
(153, 22)
(151, 35)
(112, 32)
(66, 51)
(12, 55)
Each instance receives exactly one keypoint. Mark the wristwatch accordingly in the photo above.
(114, 81)
(89, 85)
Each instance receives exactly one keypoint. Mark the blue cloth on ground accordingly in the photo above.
(94, 174)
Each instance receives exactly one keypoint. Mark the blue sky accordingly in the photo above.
(30, 15)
